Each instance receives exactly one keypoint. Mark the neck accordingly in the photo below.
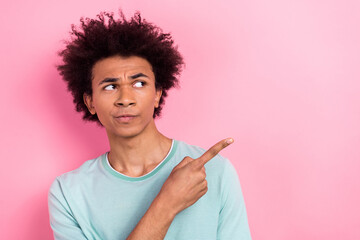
(135, 156)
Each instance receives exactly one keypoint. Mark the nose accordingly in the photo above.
(126, 97)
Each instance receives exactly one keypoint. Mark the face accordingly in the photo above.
(124, 95)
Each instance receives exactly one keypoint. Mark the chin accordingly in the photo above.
(127, 132)
(127, 135)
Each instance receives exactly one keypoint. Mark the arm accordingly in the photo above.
(62, 221)
(185, 185)
(178, 192)
(155, 223)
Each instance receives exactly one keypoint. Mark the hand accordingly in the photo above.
(186, 184)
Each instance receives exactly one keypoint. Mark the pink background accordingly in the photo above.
(281, 77)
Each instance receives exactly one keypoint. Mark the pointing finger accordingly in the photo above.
(214, 150)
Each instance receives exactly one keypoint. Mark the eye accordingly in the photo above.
(139, 84)
(109, 87)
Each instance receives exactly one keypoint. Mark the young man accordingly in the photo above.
(147, 186)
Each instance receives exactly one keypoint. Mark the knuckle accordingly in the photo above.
(195, 165)
(213, 151)
(185, 159)
(188, 159)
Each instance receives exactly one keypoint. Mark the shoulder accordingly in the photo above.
(86, 172)
(89, 167)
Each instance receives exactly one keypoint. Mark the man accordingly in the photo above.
(147, 186)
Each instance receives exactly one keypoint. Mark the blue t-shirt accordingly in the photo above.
(97, 202)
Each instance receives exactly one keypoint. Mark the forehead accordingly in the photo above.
(118, 65)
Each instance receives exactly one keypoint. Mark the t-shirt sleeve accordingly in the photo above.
(62, 221)
(233, 223)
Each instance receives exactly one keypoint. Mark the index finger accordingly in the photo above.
(214, 150)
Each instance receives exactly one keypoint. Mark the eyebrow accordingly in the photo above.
(112, 80)
(138, 75)
(108, 80)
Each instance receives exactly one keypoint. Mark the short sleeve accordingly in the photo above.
(233, 223)
(62, 222)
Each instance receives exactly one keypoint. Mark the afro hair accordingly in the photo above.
(105, 36)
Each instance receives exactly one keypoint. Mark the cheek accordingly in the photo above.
(148, 98)
(101, 104)
(150, 104)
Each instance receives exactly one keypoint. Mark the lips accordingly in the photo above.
(125, 118)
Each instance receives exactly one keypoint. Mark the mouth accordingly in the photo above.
(125, 118)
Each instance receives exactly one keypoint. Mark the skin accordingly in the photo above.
(136, 146)
(124, 97)
(185, 185)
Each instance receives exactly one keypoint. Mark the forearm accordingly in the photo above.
(184, 186)
(155, 222)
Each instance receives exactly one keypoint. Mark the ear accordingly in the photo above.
(157, 97)
(89, 104)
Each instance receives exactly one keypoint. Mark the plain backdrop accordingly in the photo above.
(281, 77)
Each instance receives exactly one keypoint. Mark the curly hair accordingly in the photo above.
(104, 37)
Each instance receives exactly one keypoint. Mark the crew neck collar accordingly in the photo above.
(112, 171)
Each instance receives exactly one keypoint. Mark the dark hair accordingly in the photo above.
(104, 37)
